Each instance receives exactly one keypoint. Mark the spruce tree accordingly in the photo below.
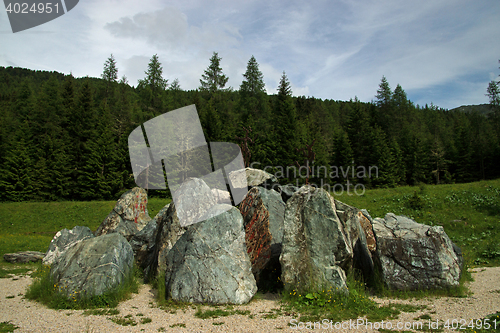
(153, 85)
(287, 130)
(213, 80)
(253, 102)
(343, 157)
(110, 73)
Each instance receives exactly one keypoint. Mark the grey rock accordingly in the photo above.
(168, 231)
(415, 256)
(314, 243)
(359, 232)
(63, 240)
(129, 215)
(253, 177)
(263, 214)
(192, 200)
(93, 266)
(23, 257)
(209, 263)
(143, 243)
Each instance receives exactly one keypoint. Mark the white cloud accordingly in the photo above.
(329, 49)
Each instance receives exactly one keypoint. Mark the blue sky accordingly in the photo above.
(440, 51)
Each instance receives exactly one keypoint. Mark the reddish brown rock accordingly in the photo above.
(371, 242)
(263, 214)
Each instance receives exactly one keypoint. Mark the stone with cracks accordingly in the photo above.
(143, 242)
(129, 215)
(93, 266)
(63, 240)
(263, 216)
(209, 263)
(415, 256)
(23, 257)
(314, 243)
(192, 200)
(359, 233)
(168, 231)
(254, 177)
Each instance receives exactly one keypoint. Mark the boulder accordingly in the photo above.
(93, 266)
(63, 240)
(209, 263)
(23, 257)
(263, 214)
(129, 215)
(415, 256)
(168, 231)
(143, 242)
(359, 233)
(192, 200)
(314, 243)
(254, 177)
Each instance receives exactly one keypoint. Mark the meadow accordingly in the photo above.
(469, 214)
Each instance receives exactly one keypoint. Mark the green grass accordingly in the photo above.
(217, 312)
(7, 327)
(30, 226)
(101, 312)
(20, 269)
(44, 290)
(469, 213)
(182, 325)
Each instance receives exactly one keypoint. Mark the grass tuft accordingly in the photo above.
(7, 326)
(44, 290)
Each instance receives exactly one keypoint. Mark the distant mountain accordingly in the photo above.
(481, 108)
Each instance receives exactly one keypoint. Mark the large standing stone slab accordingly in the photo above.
(415, 256)
(209, 262)
(359, 233)
(93, 266)
(63, 240)
(143, 242)
(168, 231)
(314, 243)
(263, 214)
(129, 215)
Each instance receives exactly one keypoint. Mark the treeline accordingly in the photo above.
(65, 138)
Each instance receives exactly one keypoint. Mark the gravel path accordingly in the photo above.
(33, 317)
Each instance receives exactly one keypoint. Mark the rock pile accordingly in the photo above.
(310, 239)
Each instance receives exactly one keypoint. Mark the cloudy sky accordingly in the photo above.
(440, 51)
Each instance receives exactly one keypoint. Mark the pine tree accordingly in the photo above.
(110, 73)
(493, 94)
(384, 94)
(399, 164)
(153, 85)
(16, 173)
(254, 80)
(438, 161)
(81, 131)
(253, 101)
(287, 130)
(381, 157)
(213, 80)
(343, 156)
